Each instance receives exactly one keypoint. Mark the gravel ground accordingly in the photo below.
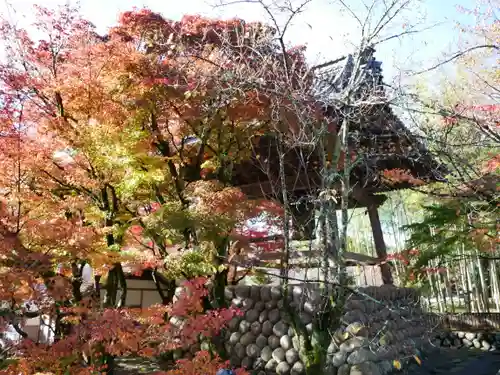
(456, 362)
(436, 362)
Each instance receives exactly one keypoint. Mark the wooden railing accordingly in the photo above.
(468, 322)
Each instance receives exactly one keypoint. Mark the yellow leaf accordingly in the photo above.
(418, 360)
(382, 341)
(396, 364)
(345, 335)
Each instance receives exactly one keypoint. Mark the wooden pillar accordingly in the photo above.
(303, 221)
(378, 238)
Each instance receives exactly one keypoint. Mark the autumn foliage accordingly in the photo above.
(121, 332)
(118, 150)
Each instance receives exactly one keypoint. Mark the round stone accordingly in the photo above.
(309, 307)
(253, 351)
(242, 291)
(297, 291)
(279, 354)
(352, 344)
(251, 315)
(485, 345)
(361, 355)
(256, 328)
(276, 293)
(240, 351)
(273, 342)
(248, 303)
(332, 348)
(291, 356)
(298, 369)
(470, 336)
(255, 292)
(344, 370)
(265, 293)
(237, 302)
(283, 368)
(274, 315)
(280, 329)
(357, 329)
(261, 341)
(234, 338)
(247, 339)
(266, 353)
(271, 365)
(263, 316)
(267, 328)
(259, 306)
(286, 342)
(244, 326)
(234, 323)
(338, 359)
(271, 304)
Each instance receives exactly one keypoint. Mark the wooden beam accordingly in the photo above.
(302, 258)
(268, 188)
(378, 238)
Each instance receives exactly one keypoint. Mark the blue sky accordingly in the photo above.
(328, 32)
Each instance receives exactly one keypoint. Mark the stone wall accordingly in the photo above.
(382, 324)
(486, 341)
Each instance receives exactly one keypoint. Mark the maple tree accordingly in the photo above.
(118, 150)
(125, 146)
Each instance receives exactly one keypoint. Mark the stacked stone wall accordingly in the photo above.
(485, 341)
(379, 325)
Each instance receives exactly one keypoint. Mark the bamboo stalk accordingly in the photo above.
(495, 284)
(465, 286)
(476, 289)
(442, 294)
(435, 293)
(483, 291)
(448, 287)
(471, 298)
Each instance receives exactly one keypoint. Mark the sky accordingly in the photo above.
(328, 31)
